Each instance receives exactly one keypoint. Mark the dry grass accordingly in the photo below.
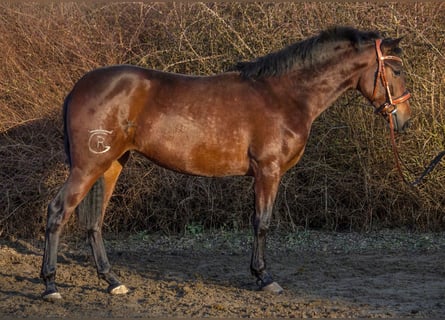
(346, 179)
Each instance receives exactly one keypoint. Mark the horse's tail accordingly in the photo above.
(90, 209)
(66, 142)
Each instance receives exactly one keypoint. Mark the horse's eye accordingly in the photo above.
(397, 72)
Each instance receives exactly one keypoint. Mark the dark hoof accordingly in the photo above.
(273, 287)
(51, 296)
(118, 289)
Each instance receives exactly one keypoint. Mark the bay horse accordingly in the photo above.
(252, 120)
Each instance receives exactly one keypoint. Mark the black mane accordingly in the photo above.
(309, 50)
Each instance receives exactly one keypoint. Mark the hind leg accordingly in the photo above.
(95, 230)
(59, 212)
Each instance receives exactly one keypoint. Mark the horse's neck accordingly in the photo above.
(317, 90)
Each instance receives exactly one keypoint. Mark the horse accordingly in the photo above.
(251, 120)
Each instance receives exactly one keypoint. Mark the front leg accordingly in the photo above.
(266, 186)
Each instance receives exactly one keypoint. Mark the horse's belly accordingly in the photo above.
(199, 144)
(218, 160)
(200, 159)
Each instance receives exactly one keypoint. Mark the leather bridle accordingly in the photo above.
(389, 107)
(389, 110)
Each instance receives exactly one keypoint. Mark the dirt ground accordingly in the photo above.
(381, 274)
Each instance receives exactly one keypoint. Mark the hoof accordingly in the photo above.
(273, 287)
(119, 289)
(52, 296)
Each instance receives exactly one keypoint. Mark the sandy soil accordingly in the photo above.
(384, 274)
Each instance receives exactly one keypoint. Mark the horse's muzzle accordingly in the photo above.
(400, 123)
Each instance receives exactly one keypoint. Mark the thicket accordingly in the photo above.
(346, 179)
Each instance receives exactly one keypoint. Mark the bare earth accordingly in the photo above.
(382, 274)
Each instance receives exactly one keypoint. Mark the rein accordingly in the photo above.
(389, 109)
(397, 159)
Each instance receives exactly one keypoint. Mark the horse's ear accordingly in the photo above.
(397, 41)
(392, 43)
(391, 46)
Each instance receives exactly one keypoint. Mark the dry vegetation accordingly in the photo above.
(346, 179)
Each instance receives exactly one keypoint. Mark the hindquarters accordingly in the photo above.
(100, 116)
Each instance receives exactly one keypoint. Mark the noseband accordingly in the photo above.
(389, 107)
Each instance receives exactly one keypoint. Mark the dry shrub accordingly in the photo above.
(346, 179)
